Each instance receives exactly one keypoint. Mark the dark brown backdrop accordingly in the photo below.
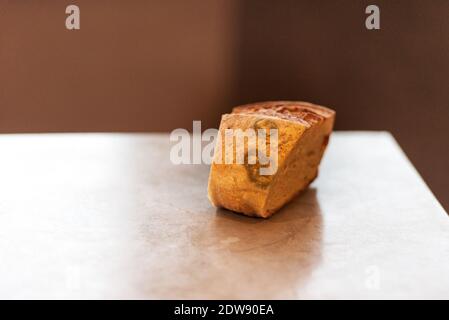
(157, 65)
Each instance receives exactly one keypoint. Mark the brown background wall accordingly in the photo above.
(157, 65)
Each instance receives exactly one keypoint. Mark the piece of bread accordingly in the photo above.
(303, 133)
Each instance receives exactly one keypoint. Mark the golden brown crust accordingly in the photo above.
(305, 112)
(304, 130)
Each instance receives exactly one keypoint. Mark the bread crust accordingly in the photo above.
(302, 126)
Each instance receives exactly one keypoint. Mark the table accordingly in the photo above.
(109, 216)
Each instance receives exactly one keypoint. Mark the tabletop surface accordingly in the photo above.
(109, 216)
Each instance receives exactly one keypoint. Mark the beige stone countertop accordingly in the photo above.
(109, 216)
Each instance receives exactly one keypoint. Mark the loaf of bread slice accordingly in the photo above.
(303, 131)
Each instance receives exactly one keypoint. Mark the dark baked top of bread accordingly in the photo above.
(303, 112)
